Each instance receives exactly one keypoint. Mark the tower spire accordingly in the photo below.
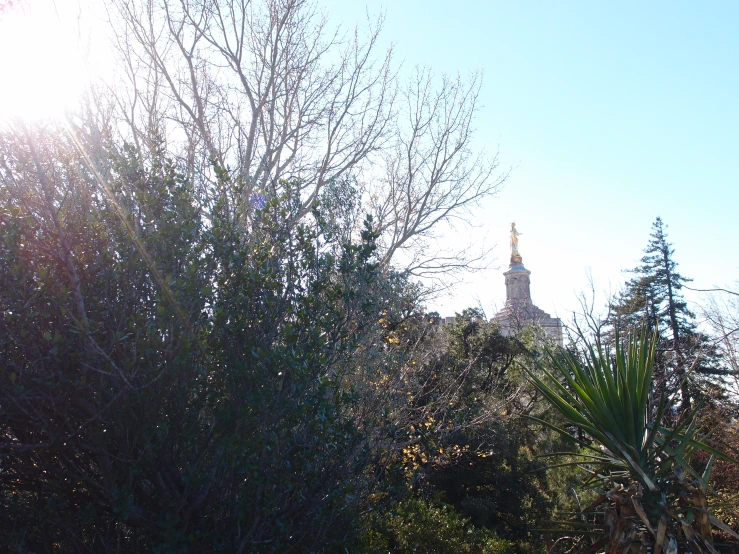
(519, 310)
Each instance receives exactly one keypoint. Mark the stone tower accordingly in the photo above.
(519, 310)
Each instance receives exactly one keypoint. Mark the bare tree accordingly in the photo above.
(262, 88)
(432, 174)
(589, 323)
(267, 91)
(721, 312)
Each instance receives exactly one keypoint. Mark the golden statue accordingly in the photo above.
(514, 239)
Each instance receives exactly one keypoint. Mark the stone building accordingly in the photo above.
(519, 311)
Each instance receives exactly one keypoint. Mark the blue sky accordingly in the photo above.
(610, 114)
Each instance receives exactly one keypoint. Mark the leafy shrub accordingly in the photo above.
(173, 365)
(415, 526)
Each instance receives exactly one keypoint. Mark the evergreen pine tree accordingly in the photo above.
(654, 298)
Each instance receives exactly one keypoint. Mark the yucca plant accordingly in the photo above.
(650, 497)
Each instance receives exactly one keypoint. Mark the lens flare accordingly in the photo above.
(42, 69)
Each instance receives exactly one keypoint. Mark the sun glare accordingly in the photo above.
(41, 64)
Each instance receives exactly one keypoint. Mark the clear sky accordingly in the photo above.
(611, 113)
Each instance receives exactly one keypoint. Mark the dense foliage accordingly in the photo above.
(170, 378)
(188, 370)
(414, 526)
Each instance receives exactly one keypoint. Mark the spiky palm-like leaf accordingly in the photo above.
(650, 491)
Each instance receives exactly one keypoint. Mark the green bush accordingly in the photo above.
(415, 526)
(173, 364)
